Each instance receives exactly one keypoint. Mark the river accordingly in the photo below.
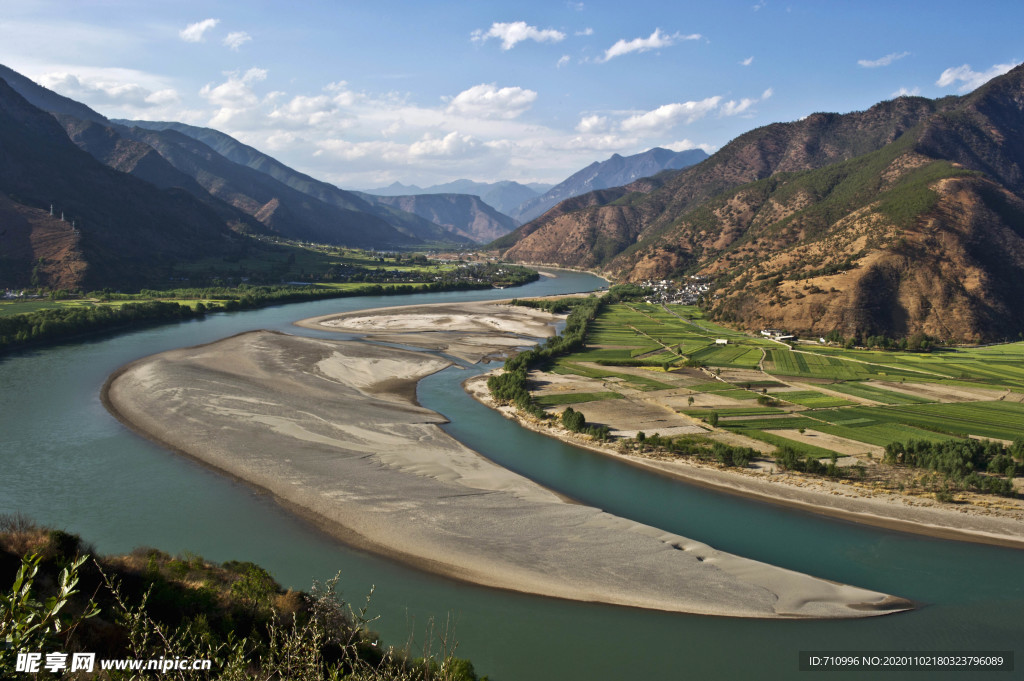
(66, 463)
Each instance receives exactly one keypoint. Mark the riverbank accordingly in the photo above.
(864, 505)
(362, 458)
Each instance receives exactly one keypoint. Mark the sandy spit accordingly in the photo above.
(332, 428)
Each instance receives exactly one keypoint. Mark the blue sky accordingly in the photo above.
(365, 93)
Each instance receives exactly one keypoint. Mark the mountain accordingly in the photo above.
(615, 172)
(905, 218)
(107, 228)
(416, 230)
(239, 182)
(47, 100)
(505, 196)
(463, 214)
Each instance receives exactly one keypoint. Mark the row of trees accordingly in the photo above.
(972, 464)
(64, 322)
(916, 342)
(54, 324)
(698, 448)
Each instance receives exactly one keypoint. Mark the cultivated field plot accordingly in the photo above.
(563, 366)
(738, 356)
(647, 332)
(811, 398)
(806, 364)
(945, 394)
(997, 365)
(876, 393)
(574, 398)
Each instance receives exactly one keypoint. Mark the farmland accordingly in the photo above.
(669, 357)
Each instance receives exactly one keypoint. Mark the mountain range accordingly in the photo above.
(266, 195)
(904, 218)
(464, 215)
(68, 221)
(505, 196)
(614, 172)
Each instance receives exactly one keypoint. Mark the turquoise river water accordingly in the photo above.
(67, 463)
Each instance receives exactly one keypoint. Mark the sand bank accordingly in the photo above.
(332, 428)
(469, 331)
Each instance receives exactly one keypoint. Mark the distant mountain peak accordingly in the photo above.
(615, 171)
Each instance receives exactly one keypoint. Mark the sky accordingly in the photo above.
(362, 94)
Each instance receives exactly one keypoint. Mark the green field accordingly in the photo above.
(652, 334)
(811, 398)
(574, 398)
(871, 392)
(647, 331)
(562, 366)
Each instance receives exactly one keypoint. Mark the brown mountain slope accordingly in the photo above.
(923, 232)
(128, 230)
(38, 249)
(816, 141)
(953, 275)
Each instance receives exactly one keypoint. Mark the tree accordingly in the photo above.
(713, 419)
(689, 400)
(573, 420)
(26, 625)
(255, 587)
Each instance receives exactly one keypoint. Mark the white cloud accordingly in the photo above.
(302, 110)
(747, 62)
(904, 92)
(195, 33)
(655, 41)
(668, 115)
(487, 101)
(882, 61)
(104, 91)
(563, 60)
(235, 99)
(592, 124)
(236, 39)
(971, 79)
(684, 144)
(734, 108)
(516, 32)
(452, 144)
(586, 31)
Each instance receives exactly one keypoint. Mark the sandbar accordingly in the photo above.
(332, 428)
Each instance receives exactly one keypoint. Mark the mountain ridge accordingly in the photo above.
(613, 172)
(903, 218)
